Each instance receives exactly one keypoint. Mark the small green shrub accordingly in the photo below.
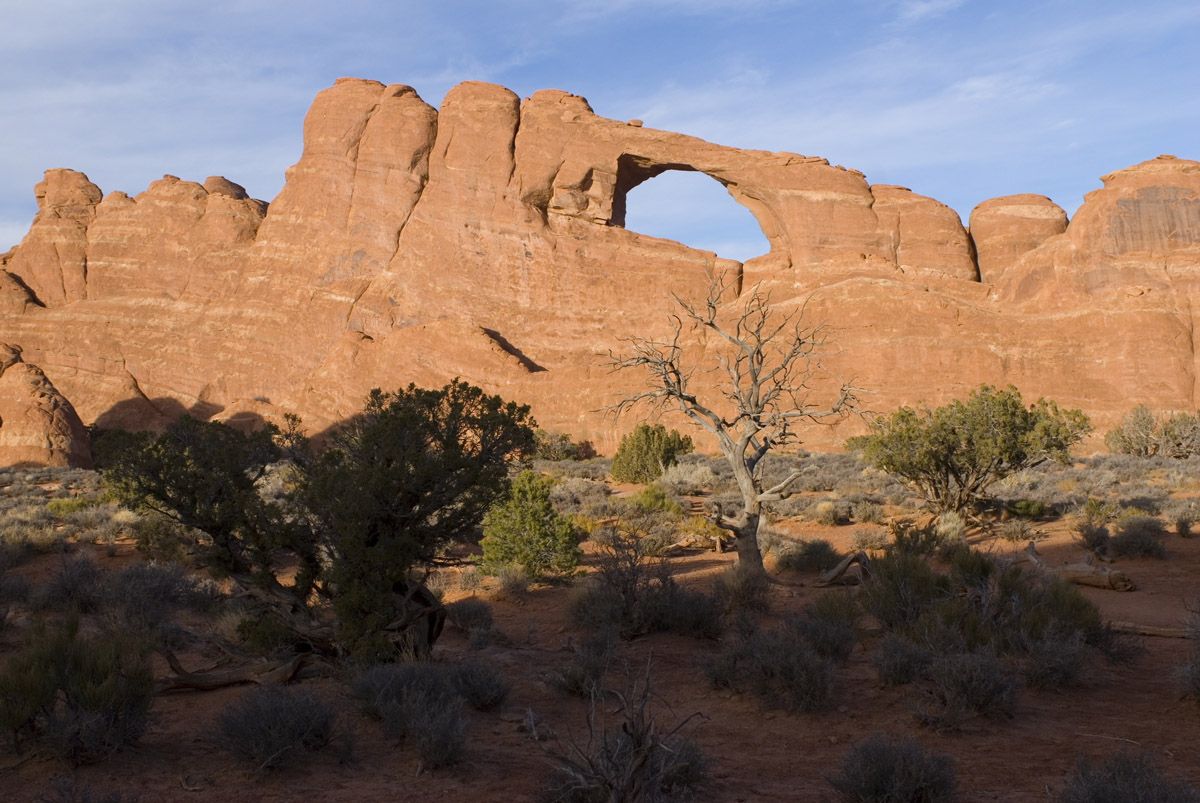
(524, 529)
(647, 452)
(1028, 509)
(882, 770)
(1124, 778)
(654, 499)
(272, 727)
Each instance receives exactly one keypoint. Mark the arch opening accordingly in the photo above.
(676, 202)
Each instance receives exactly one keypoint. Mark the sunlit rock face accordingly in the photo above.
(38, 427)
(486, 240)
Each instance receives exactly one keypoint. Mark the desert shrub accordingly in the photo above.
(825, 512)
(741, 589)
(1015, 530)
(470, 579)
(1138, 536)
(654, 499)
(583, 674)
(1094, 537)
(867, 512)
(784, 671)
(272, 727)
(418, 706)
(1142, 434)
(829, 624)
(513, 582)
(470, 614)
(953, 453)
(1183, 526)
(1124, 778)
(909, 538)
(964, 685)
(688, 479)
(576, 495)
(265, 634)
(900, 661)
(950, 526)
(77, 582)
(644, 454)
(1054, 658)
(595, 469)
(524, 529)
(70, 790)
(868, 538)
(882, 770)
(80, 698)
(638, 760)
(480, 685)
(805, 556)
(556, 446)
(900, 588)
(633, 595)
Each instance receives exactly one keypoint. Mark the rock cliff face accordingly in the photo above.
(37, 425)
(486, 240)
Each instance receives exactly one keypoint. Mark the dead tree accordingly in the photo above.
(766, 361)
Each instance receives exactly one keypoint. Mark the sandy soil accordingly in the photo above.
(755, 754)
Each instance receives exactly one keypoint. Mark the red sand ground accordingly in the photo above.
(755, 754)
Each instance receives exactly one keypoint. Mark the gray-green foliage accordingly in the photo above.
(951, 454)
(647, 452)
(524, 529)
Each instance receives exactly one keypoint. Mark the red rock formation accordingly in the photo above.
(486, 240)
(37, 425)
(1005, 229)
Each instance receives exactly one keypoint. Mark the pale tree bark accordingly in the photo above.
(766, 361)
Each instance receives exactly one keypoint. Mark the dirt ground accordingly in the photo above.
(755, 754)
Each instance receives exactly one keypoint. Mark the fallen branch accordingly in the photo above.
(258, 672)
(838, 574)
(1150, 630)
(1086, 573)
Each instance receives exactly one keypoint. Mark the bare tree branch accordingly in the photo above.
(766, 360)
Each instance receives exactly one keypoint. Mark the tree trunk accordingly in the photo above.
(749, 555)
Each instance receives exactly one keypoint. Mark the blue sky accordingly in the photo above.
(962, 100)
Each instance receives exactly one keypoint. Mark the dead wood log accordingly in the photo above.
(1086, 573)
(838, 574)
(258, 672)
(1150, 630)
